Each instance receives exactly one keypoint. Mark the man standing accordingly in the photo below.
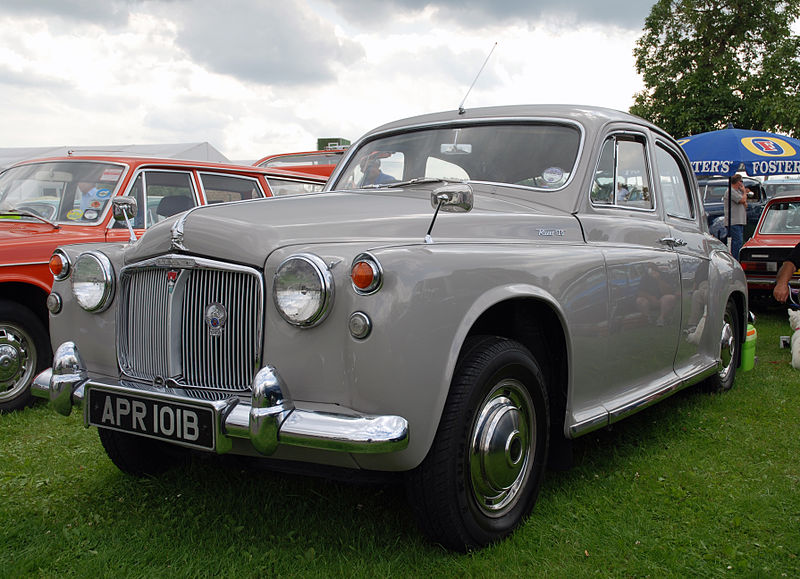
(738, 213)
(792, 264)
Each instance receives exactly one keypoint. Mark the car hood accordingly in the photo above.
(247, 232)
(34, 242)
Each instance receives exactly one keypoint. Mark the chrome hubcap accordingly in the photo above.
(500, 450)
(728, 345)
(16, 362)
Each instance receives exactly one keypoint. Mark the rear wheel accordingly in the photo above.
(24, 351)
(140, 456)
(731, 343)
(483, 472)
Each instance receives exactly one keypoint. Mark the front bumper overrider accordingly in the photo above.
(268, 419)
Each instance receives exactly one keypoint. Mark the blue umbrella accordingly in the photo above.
(730, 150)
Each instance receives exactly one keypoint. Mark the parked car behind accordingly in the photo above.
(781, 185)
(475, 289)
(777, 233)
(321, 163)
(713, 193)
(47, 203)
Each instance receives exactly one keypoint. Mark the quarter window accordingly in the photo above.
(621, 178)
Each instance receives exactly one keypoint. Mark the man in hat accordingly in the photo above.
(738, 213)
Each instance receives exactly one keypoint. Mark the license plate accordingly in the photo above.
(187, 424)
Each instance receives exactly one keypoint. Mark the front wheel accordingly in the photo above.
(483, 472)
(24, 351)
(140, 456)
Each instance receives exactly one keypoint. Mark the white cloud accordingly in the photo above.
(255, 77)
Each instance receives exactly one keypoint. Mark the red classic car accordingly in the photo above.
(777, 232)
(58, 201)
(320, 163)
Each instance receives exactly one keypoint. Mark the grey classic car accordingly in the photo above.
(473, 290)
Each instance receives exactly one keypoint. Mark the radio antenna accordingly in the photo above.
(461, 109)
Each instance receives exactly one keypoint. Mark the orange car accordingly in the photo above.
(776, 234)
(58, 201)
(320, 163)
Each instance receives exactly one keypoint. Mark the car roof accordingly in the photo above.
(590, 116)
(137, 162)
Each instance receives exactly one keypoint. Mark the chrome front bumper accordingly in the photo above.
(270, 417)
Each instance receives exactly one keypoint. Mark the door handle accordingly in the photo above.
(673, 242)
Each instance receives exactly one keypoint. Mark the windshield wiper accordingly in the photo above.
(423, 180)
(18, 213)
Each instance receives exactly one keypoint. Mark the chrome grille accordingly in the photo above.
(165, 330)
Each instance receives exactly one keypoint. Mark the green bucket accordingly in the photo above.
(749, 349)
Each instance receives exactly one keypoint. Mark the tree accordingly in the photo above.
(707, 63)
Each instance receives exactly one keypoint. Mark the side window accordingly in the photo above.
(167, 193)
(288, 187)
(621, 177)
(674, 185)
(224, 188)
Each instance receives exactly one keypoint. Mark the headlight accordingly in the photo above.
(303, 290)
(93, 281)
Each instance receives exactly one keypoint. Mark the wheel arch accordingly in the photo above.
(537, 323)
(29, 295)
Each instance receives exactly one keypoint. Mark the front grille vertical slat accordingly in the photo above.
(220, 361)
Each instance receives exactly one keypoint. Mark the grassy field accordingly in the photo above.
(700, 485)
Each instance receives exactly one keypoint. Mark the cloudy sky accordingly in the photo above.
(255, 77)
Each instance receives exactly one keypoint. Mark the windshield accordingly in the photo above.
(60, 191)
(537, 155)
(782, 218)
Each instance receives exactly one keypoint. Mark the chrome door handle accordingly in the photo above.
(673, 242)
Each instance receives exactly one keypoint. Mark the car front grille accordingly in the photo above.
(191, 323)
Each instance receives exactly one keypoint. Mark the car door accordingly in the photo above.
(695, 347)
(159, 194)
(634, 357)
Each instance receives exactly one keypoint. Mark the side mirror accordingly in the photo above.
(124, 209)
(456, 198)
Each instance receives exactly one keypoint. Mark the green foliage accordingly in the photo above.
(699, 485)
(707, 63)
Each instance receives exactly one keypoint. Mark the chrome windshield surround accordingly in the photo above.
(191, 323)
(460, 123)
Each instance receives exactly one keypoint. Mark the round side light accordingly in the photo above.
(59, 265)
(366, 274)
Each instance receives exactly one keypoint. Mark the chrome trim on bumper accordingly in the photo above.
(270, 418)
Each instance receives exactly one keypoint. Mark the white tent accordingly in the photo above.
(191, 151)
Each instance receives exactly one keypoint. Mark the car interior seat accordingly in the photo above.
(173, 204)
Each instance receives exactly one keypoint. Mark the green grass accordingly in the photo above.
(698, 486)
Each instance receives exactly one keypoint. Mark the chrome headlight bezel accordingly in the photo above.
(308, 305)
(100, 275)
